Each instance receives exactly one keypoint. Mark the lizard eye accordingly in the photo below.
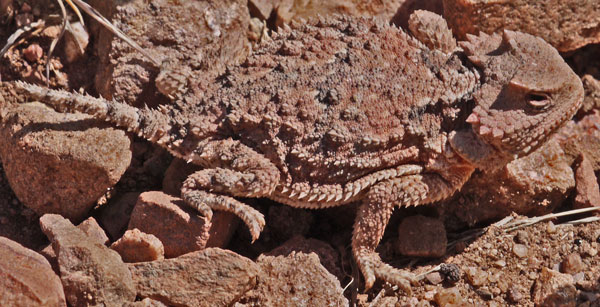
(538, 101)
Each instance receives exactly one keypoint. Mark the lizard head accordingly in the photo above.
(527, 93)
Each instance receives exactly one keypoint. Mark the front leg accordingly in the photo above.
(374, 214)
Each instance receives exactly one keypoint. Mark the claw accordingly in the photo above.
(372, 268)
(206, 212)
(369, 275)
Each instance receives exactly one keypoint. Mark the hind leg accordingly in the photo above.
(235, 170)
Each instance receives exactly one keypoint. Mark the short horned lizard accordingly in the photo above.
(345, 109)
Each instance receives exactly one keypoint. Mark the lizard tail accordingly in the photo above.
(152, 125)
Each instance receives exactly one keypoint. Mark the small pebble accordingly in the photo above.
(514, 296)
(434, 278)
(494, 277)
(551, 228)
(579, 277)
(496, 291)
(533, 275)
(572, 264)
(33, 53)
(520, 250)
(449, 297)
(522, 237)
(475, 276)
(484, 293)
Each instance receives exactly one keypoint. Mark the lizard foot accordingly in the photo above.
(373, 268)
(205, 202)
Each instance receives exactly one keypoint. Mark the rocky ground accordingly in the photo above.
(136, 244)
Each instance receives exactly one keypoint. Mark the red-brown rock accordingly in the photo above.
(33, 53)
(136, 246)
(211, 277)
(60, 163)
(26, 278)
(286, 222)
(91, 228)
(223, 224)
(178, 227)
(565, 24)
(328, 256)
(91, 273)
(553, 288)
(572, 264)
(587, 191)
(287, 10)
(297, 279)
(582, 138)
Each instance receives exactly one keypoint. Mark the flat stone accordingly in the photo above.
(211, 277)
(26, 278)
(421, 236)
(565, 24)
(136, 246)
(293, 280)
(60, 163)
(91, 273)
